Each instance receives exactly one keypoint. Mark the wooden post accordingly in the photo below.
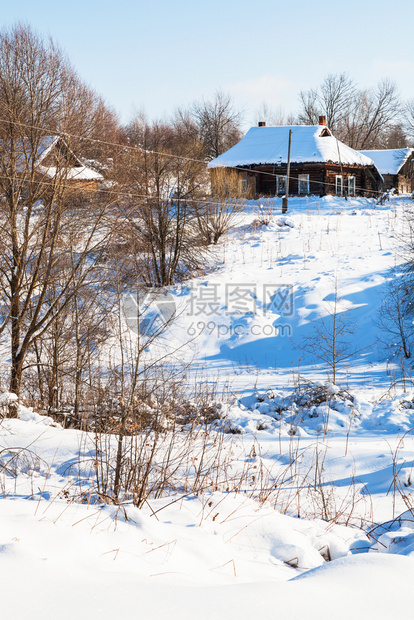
(285, 198)
(342, 174)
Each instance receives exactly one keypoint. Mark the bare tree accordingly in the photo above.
(218, 124)
(310, 107)
(395, 137)
(334, 99)
(102, 138)
(38, 225)
(165, 177)
(408, 115)
(68, 348)
(337, 94)
(330, 338)
(360, 118)
(396, 316)
(373, 113)
(216, 217)
(217, 214)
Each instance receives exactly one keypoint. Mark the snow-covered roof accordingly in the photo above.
(26, 155)
(77, 173)
(269, 145)
(389, 161)
(45, 146)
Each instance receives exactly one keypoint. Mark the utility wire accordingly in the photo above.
(143, 150)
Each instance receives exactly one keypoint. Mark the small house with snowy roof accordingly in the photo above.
(319, 163)
(54, 157)
(396, 167)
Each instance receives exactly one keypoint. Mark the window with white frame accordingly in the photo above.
(280, 185)
(303, 184)
(351, 186)
(244, 186)
(339, 185)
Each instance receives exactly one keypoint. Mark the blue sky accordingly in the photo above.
(160, 55)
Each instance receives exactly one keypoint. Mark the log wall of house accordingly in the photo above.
(405, 181)
(266, 181)
(258, 181)
(405, 184)
(390, 181)
(401, 183)
(367, 179)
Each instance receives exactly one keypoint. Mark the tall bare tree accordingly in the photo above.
(360, 118)
(40, 95)
(333, 99)
(373, 113)
(218, 124)
(394, 138)
(164, 175)
(408, 114)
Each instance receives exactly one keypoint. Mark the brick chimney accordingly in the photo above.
(322, 120)
(262, 123)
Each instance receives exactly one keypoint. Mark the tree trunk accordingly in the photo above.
(15, 379)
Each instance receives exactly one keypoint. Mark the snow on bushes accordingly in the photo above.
(311, 408)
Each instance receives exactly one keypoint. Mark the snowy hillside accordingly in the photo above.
(274, 283)
(295, 501)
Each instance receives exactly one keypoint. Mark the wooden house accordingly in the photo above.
(396, 167)
(54, 157)
(319, 164)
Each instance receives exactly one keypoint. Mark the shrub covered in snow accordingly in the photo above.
(309, 408)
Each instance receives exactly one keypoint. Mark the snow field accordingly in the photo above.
(304, 504)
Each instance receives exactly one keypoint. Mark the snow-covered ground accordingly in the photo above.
(281, 278)
(309, 513)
